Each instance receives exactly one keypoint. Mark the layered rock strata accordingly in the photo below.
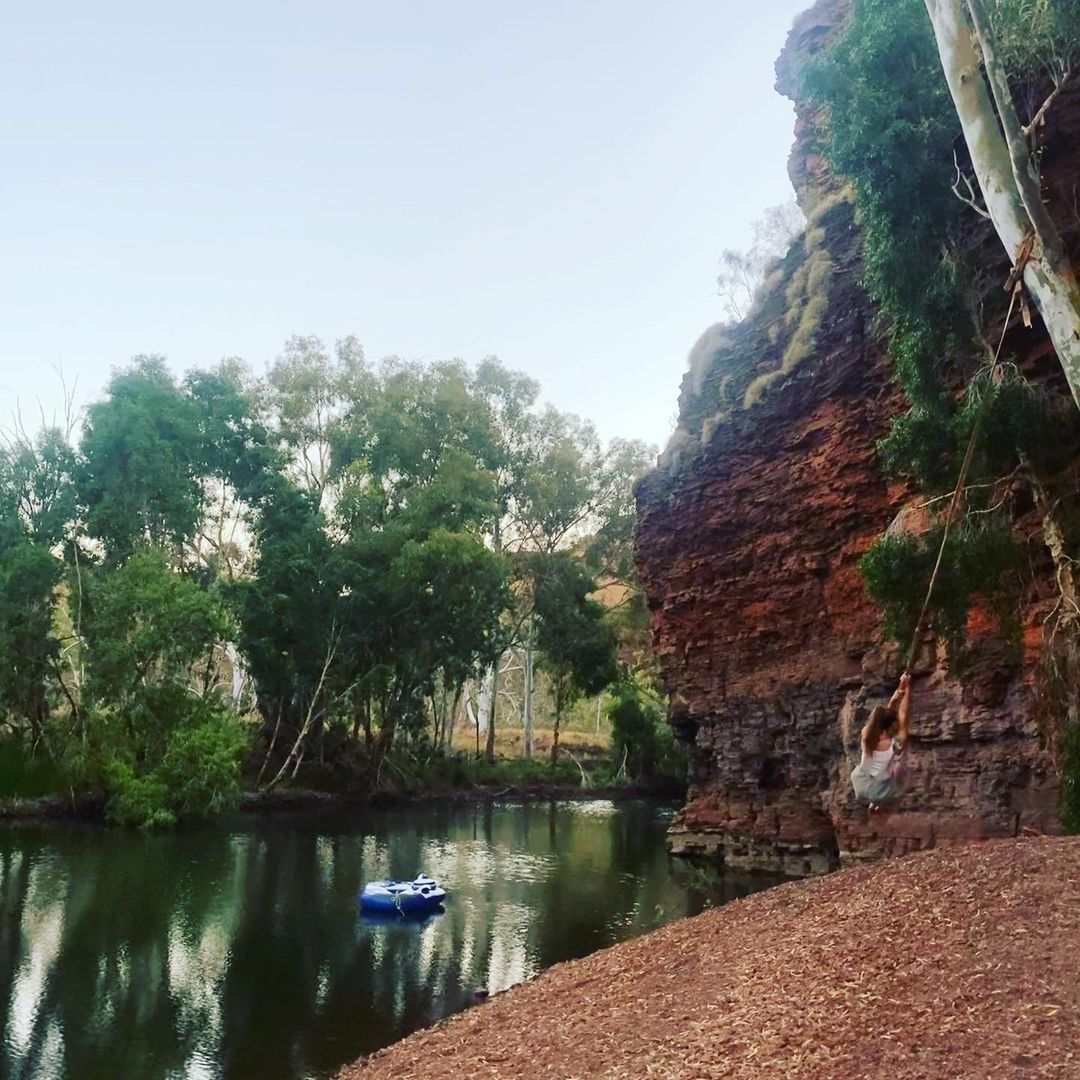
(750, 531)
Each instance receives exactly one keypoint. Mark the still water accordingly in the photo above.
(239, 951)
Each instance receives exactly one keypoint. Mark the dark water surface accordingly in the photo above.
(239, 951)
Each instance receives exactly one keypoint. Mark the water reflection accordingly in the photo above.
(242, 953)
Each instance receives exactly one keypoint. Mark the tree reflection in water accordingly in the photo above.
(240, 952)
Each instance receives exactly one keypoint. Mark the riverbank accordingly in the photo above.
(957, 962)
(284, 800)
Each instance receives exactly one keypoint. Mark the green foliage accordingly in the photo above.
(24, 775)
(564, 481)
(142, 459)
(35, 505)
(577, 644)
(891, 134)
(201, 765)
(978, 558)
(287, 609)
(1070, 778)
(145, 626)
(235, 443)
(162, 747)
(28, 577)
(136, 799)
(420, 440)
(1018, 423)
(37, 482)
(443, 600)
(641, 738)
(1037, 36)
(195, 773)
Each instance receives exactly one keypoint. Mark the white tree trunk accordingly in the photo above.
(451, 722)
(239, 675)
(483, 710)
(527, 710)
(1050, 281)
(494, 704)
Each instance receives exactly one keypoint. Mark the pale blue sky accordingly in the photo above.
(548, 182)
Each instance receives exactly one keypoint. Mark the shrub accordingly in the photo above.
(196, 774)
(641, 737)
(201, 767)
(24, 775)
(1070, 778)
(978, 559)
(137, 799)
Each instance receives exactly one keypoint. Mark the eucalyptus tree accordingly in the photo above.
(577, 644)
(37, 482)
(1003, 151)
(37, 507)
(29, 652)
(142, 463)
(286, 608)
(417, 493)
(239, 457)
(308, 388)
(576, 499)
(152, 729)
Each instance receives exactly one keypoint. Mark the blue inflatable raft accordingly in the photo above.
(422, 894)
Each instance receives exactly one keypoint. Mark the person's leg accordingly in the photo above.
(880, 792)
(859, 780)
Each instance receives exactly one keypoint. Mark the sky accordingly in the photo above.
(548, 182)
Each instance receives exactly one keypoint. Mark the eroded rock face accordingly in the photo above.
(749, 535)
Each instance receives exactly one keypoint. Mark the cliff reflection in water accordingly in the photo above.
(240, 953)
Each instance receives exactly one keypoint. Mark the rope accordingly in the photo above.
(969, 454)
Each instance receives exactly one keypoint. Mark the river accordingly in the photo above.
(238, 950)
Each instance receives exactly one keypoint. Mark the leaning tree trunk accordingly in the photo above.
(1009, 182)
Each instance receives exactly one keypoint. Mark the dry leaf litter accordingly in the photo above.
(957, 962)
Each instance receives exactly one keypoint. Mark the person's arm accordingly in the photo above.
(903, 709)
(900, 692)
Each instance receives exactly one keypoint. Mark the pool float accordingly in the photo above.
(402, 897)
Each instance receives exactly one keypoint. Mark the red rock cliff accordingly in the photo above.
(750, 531)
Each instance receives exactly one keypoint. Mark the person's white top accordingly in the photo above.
(877, 761)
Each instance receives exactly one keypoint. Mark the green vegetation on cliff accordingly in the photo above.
(935, 269)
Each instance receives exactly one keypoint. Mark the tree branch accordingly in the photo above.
(968, 199)
(1040, 116)
(311, 714)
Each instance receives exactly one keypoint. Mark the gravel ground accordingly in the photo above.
(959, 962)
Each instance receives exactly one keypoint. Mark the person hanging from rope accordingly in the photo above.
(882, 771)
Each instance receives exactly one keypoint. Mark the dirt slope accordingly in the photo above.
(957, 962)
